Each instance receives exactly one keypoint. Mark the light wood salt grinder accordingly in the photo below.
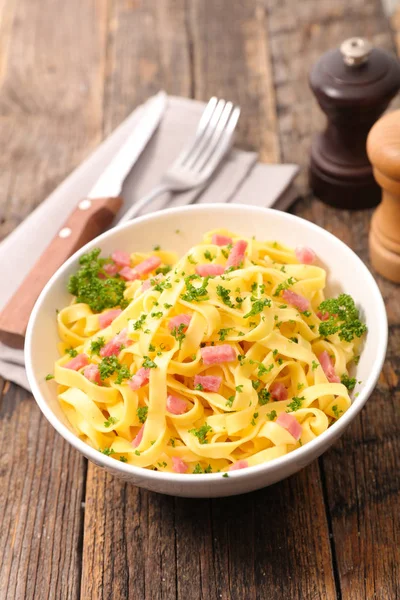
(383, 147)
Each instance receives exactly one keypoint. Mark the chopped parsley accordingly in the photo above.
(98, 292)
(107, 451)
(229, 402)
(295, 404)
(163, 270)
(191, 260)
(178, 333)
(263, 370)
(223, 293)
(336, 411)
(208, 255)
(157, 248)
(167, 306)
(72, 352)
(110, 421)
(148, 363)
(224, 332)
(255, 384)
(97, 345)
(239, 388)
(258, 307)
(172, 442)
(140, 322)
(110, 365)
(123, 459)
(306, 313)
(225, 252)
(201, 433)
(156, 315)
(49, 377)
(285, 285)
(142, 413)
(197, 470)
(264, 397)
(253, 421)
(344, 318)
(199, 387)
(314, 365)
(193, 293)
(350, 383)
(225, 475)
(272, 415)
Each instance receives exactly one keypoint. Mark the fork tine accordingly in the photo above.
(197, 151)
(202, 126)
(208, 150)
(224, 144)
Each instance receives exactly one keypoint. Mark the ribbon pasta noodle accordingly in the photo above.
(225, 358)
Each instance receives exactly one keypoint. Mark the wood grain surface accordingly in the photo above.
(329, 532)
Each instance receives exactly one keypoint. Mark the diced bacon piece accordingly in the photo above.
(176, 406)
(323, 316)
(121, 258)
(209, 383)
(129, 274)
(221, 240)
(148, 265)
(296, 300)
(236, 255)
(92, 373)
(111, 269)
(328, 368)
(290, 423)
(140, 379)
(182, 319)
(146, 285)
(213, 355)
(305, 255)
(105, 319)
(239, 464)
(135, 443)
(278, 391)
(179, 465)
(79, 361)
(113, 347)
(209, 270)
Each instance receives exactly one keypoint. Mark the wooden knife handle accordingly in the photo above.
(89, 219)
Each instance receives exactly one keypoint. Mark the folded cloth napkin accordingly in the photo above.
(240, 179)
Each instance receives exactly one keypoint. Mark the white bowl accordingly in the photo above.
(346, 273)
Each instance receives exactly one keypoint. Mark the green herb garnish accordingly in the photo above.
(98, 292)
(344, 318)
(201, 433)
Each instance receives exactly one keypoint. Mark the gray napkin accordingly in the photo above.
(240, 179)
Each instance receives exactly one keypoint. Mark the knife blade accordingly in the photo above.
(91, 217)
(110, 182)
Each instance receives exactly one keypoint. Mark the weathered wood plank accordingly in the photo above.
(51, 88)
(42, 487)
(147, 51)
(360, 471)
(272, 543)
(231, 59)
(51, 83)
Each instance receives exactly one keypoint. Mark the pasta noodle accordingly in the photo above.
(219, 360)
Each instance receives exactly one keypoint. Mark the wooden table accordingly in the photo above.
(69, 73)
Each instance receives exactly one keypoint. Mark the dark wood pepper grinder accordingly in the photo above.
(353, 86)
(383, 147)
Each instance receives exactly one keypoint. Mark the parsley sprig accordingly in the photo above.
(93, 286)
(344, 318)
(201, 433)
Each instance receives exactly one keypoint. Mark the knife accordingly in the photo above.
(91, 217)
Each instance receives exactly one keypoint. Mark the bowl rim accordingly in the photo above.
(303, 453)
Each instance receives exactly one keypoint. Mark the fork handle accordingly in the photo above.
(140, 204)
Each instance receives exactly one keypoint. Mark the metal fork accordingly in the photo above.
(200, 157)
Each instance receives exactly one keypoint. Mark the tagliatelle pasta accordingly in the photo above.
(220, 360)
